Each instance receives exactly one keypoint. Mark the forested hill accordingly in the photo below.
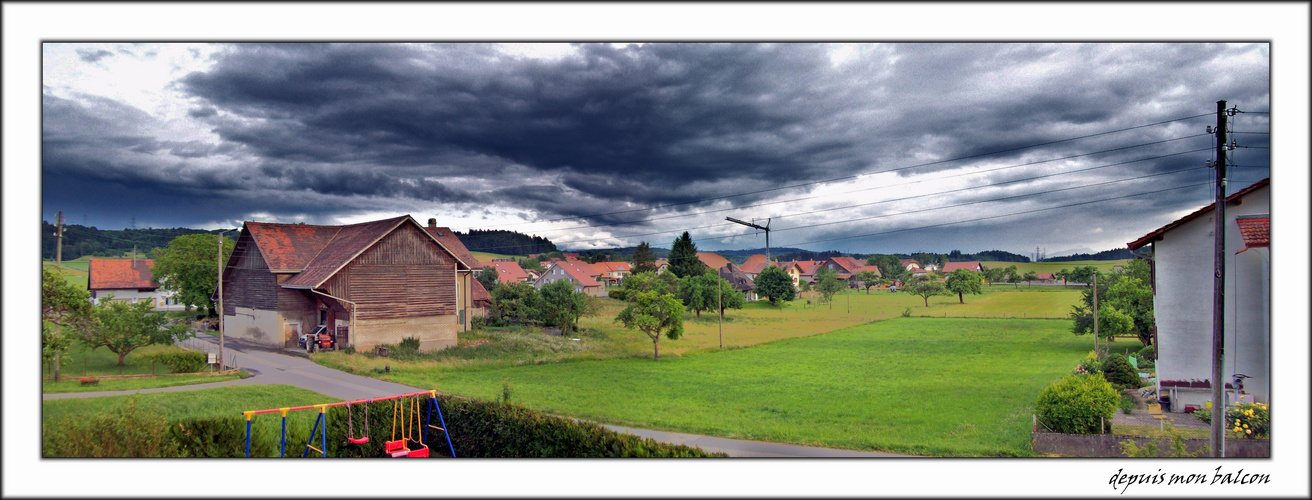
(1113, 254)
(504, 242)
(83, 240)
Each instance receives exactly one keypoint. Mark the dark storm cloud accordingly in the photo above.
(93, 55)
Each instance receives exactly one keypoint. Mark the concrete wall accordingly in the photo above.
(434, 332)
(1109, 445)
(256, 325)
(1183, 305)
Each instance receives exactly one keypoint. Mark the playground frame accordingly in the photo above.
(321, 423)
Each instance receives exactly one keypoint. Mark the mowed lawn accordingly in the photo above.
(1052, 267)
(931, 386)
(73, 271)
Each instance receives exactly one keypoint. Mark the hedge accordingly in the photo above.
(1078, 404)
(478, 429)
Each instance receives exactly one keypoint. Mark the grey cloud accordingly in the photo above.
(93, 55)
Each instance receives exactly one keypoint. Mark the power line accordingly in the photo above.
(886, 186)
(1004, 215)
(858, 175)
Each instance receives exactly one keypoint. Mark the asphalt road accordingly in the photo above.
(272, 366)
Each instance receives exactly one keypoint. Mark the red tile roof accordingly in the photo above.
(120, 274)
(1256, 230)
(289, 247)
(873, 269)
(575, 269)
(908, 262)
(480, 293)
(847, 264)
(345, 245)
(712, 260)
(972, 265)
(807, 266)
(754, 264)
(448, 239)
(1159, 232)
(612, 267)
(507, 272)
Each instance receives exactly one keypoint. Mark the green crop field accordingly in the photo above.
(1052, 267)
(486, 256)
(932, 386)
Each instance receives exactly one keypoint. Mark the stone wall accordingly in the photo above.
(1109, 445)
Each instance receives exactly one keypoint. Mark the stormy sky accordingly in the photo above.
(866, 147)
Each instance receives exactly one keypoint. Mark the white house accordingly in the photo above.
(1182, 254)
(127, 280)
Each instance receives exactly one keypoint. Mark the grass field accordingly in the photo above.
(74, 271)
(100, 361)
(1052, 267)
(486, 256)
(71, 384)
(757, 323)
(947, 387)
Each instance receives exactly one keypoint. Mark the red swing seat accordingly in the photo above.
(396, 448)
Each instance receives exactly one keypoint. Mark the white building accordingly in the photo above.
(127, 280)
(1183, 252)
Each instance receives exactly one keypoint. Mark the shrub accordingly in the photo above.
(1153, 448)
(1089, 365)
(125, 430)
(179, 360)
(1204, 414)
(478, 322)
(1120, 372)
(350, 349)
(1077, 404)
(1148, 353)
(1128, 403)
(1249, 420)
(906, 313)
(409, 344)
(618, 294)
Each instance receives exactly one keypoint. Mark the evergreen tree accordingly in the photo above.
(683, 258)
(644, 260)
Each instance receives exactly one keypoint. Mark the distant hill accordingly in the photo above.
(1113, 254)
(504, 242)
(83, 240)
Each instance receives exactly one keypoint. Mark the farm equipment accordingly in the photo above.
(319, 339)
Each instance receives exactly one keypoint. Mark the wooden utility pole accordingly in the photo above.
(59, 240)
(1218, 292)
(220, 290)
(719, 304)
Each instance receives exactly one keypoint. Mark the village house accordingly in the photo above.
(370, 283)
(847, 267)
(508, 271)
(481, 303)
(129, 280)
(713, 261)
(754, 265)
(910, 264)
(973, 265)
(611, 273)
(1182, 254)
(661, 265)
(740, 281)
(794, 271)
(575, 271)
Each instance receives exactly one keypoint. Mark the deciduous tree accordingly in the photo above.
(488, 278)
(925, 288)
(654, 315)
(64, 309)
(562, 306)
(123, 327)
(868, 280)
(962, 282)
(516, 302)
(775, 284)
(189, 268)
(828, 284)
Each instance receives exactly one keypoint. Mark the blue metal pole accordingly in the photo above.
(282, 444)
(248, 436)
(323, 436)
(306, 453)
(445, 431)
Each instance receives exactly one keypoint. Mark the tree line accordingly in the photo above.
(82, 240)
(504, 242)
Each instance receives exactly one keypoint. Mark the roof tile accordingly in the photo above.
(118, 274)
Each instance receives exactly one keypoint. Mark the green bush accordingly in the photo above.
(180, 360)
(409, 344)
(1249, 420)
(1148, 353)
(906, 313)
(1089, 365)
(1078, 404)
(219, 438)
(618, 294)
(1128, 403)
(1120, 372)
(478, 322)
(127, 430)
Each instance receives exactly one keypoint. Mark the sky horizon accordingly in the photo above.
(858, 148)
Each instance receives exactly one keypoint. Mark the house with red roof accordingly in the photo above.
(794, 271)
(713, 261)
(662, 264)
(611, 272)
(508, 271)
(1182, 253)
(369, 284)
(129, 280)
(754, 265)
(910, 264)
(576, 271)
(972, 265)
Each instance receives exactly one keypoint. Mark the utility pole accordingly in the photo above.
(1218, 291)
(767, 234)
(719, 304)
(220, 289)
(59, 240)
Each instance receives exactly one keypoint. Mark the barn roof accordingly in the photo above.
(449, 240)
(1157, 234)
(119, 274)
(480, 293)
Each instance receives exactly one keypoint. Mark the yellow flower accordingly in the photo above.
(1245, 426)
(1250, 431)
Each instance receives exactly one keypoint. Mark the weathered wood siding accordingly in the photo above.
(248, 282)
(404, 275)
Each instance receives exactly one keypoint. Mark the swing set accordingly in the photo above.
(393, 447)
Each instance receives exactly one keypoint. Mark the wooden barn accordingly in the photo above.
(372, 283)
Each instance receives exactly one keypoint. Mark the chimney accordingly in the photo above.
(432, 222)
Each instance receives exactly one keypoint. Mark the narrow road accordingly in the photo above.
(272, 366)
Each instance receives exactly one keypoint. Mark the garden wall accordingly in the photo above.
(1109, 445)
